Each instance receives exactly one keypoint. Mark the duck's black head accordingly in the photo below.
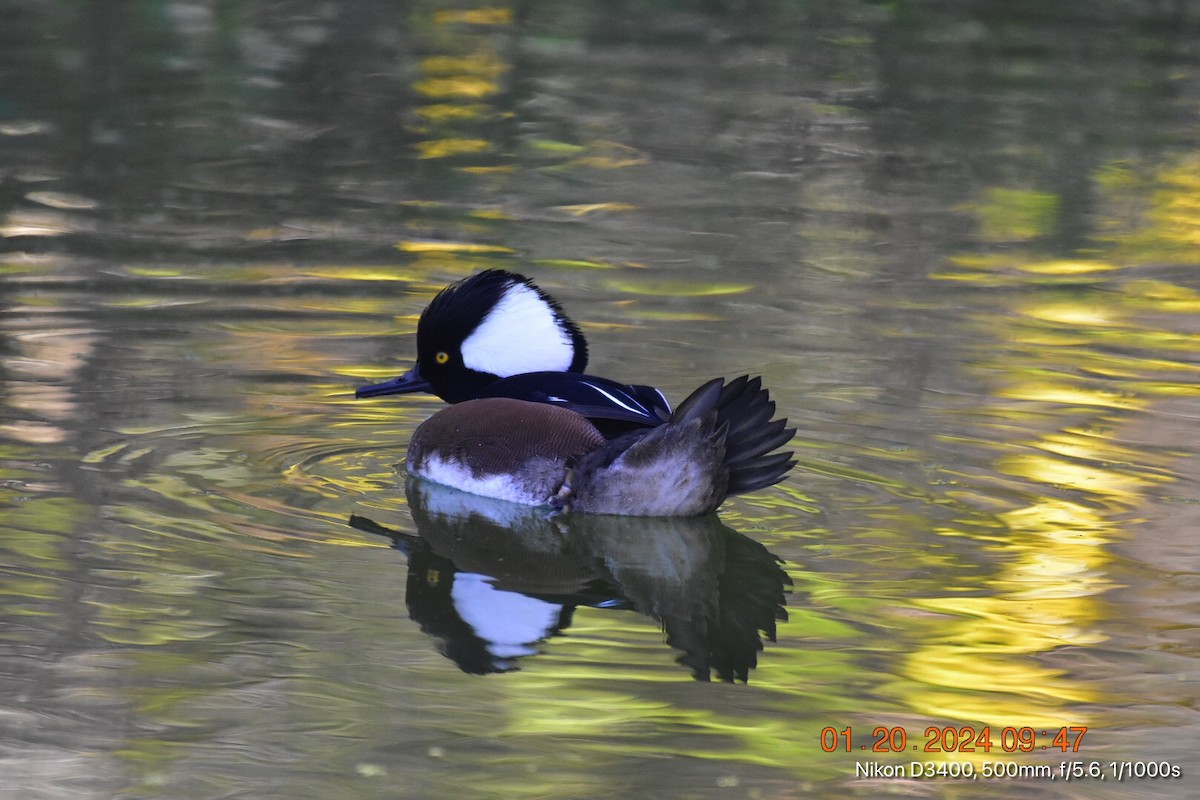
(489, 326)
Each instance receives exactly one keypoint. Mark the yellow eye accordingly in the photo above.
(442, 357)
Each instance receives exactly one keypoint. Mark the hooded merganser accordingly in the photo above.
(527, 426)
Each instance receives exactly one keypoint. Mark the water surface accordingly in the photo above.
(959, 241)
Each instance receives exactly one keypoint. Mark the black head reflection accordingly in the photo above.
(491, 580)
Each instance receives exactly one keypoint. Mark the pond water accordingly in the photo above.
(960, 242)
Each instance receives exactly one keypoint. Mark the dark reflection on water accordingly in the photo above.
(491, 580)
(959, 240)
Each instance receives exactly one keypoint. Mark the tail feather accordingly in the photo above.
(700, 402)
(759, 473)
(743, 410)
(763, 439)
(752, 418)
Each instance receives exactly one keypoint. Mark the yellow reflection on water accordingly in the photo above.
(443, 148)
(1150, 214)
(436, 113)
(987, 658)
(412, 246)
(462, 80)
(494, 169)
(1063, 393)
(494, 15)
(1175, 209)
(1059, 266)
(482, 63)
(662, 288)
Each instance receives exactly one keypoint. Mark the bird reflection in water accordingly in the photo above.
(491, 580)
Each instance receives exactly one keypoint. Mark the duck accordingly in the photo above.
(525, 424)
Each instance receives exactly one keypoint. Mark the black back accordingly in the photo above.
(614, 408)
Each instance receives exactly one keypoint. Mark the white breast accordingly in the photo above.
(449, 472)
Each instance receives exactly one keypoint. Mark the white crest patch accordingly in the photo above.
(521, 334)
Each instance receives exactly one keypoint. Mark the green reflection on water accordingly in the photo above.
(1011, 214)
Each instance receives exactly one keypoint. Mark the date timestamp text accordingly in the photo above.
(955, 739)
